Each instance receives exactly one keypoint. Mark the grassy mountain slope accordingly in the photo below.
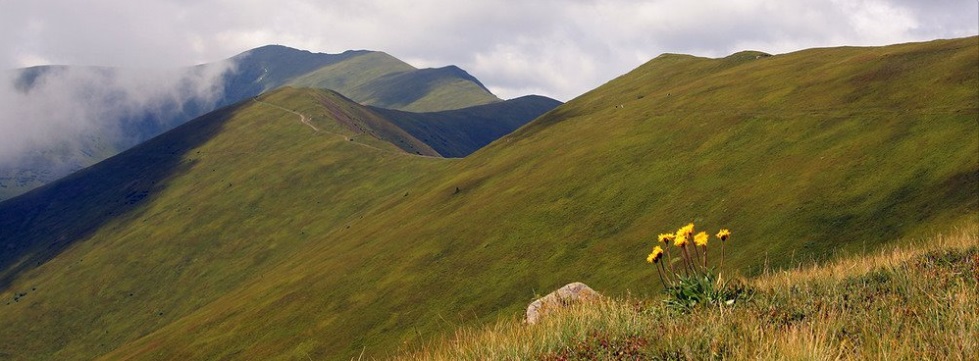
(458, 133)
(804, 156)
(373, 127)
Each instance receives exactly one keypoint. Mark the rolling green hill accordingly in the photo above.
(458, 133)
(246, 234)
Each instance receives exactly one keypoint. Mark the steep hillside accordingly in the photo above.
(277, 241)
(458, 133)
(371, 126)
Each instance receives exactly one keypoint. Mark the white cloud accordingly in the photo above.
(28, 60)
(878, 21)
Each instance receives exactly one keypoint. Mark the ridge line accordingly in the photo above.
(305, 120)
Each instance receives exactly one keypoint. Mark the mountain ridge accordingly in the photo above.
(370, 77)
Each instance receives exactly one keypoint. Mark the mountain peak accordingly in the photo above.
(459, 72)
(275, 50)
(747, 55)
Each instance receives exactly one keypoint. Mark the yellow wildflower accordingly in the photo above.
(685, 230)
(701, 239)
(655, 256)
(680, 240)
(666, 237)
(724, 234)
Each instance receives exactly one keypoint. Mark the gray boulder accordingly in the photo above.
(571, 293)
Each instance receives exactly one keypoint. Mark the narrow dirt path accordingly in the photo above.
(302, 118)
(306, 120)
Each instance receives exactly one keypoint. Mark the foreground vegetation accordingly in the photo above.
(911, 303)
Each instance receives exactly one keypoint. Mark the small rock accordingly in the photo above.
(563, 297)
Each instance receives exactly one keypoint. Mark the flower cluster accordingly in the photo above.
(692, 263)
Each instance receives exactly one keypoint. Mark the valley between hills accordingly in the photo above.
(299, 223)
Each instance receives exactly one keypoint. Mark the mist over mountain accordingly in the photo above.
(58, 119)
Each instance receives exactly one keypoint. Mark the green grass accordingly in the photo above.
(352, 73)
(428, 90)
(276, 242)
(915, 303)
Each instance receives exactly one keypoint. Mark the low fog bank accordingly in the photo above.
(55, 120)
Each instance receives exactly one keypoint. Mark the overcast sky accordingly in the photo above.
(555, 48)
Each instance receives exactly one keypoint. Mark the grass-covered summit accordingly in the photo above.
(248, 235)
(368, 77)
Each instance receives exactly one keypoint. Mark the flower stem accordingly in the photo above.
(722, 254)
(689, 262)
(660, 273)
(669, 260)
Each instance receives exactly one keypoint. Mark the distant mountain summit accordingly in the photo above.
(271, 66)
(381, 80)
(368, 77)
